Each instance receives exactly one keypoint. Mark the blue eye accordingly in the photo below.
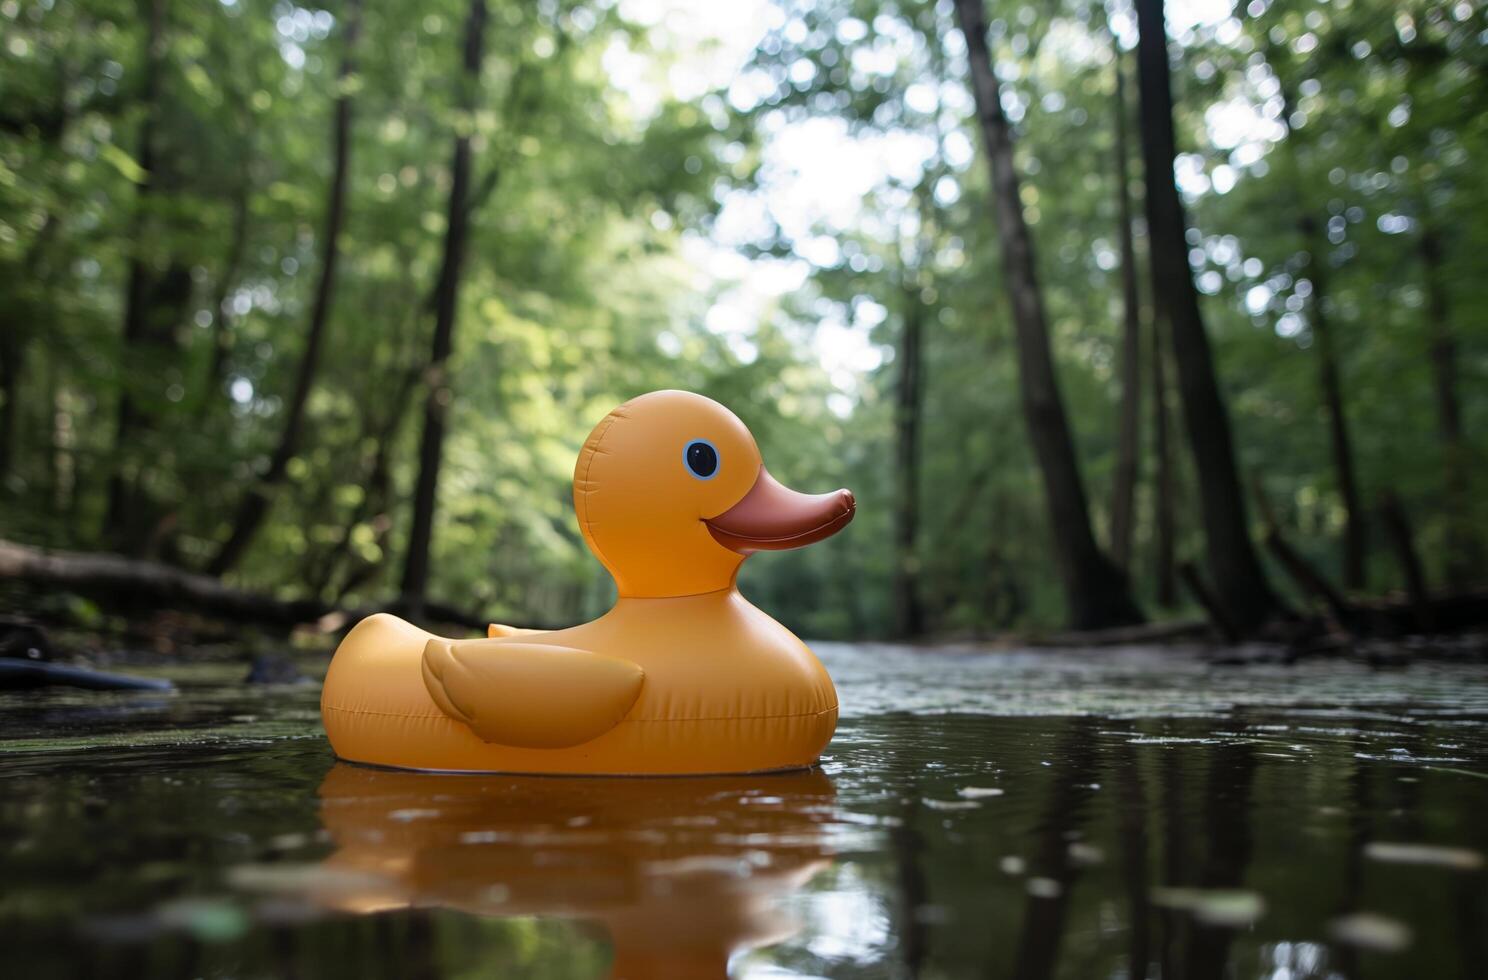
(701, 459)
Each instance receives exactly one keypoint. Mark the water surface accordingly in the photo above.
(1007, 814)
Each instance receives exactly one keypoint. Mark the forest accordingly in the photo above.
(1107, 313)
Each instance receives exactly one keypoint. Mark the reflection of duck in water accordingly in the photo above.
(681, 872)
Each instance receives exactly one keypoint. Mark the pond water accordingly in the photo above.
(1111, 813)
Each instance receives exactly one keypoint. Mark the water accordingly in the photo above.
(1072, 814)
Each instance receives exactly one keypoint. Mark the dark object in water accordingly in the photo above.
(26, 662)
(18, 674)
(267, 668)
(20, 640)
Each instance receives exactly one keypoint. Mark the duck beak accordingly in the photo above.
(773, 517)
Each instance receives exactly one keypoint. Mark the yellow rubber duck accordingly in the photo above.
(682, 676)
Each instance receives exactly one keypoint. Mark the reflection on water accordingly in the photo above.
(681, 873)
(1273, 823)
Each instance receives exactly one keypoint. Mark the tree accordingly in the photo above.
(1233, 564)
(1331, 389)
(254, 506)
(147, 317)
(1163, 498)
(1315, 255)
(908, 402)
(1462, 548)
(1130, 365)
(447, 294)
(1096, 592)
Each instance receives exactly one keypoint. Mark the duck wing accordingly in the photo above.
(498, 631)
(528, 694)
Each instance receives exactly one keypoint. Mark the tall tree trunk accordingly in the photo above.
(1096, 591)
(1463, 550)
(1123, 493)
(15, 333)
(908, 612)
(255, 504)
(1331, 388)
(436, 405)
(1233, 565)
(139, 285)
(11, 353)
(1163, 500)
(222, 320)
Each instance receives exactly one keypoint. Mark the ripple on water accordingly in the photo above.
(973, 804)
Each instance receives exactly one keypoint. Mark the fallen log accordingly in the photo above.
(135, 582)
(1188, 574)
(23, 674)
(1402, 539)
(1299, 569)
(1121, 636)
(1311, 581)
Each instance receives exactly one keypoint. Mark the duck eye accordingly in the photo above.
(701, 459)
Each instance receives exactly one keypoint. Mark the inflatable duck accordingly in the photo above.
(681, 874)
(682, 676)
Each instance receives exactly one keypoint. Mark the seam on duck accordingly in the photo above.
(624, 721)
(669, 721)
(614, 417)
(386, 714)
(689, 595)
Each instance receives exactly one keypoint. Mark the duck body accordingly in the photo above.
(726, 689)
(682, 676)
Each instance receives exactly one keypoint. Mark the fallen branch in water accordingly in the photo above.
(1139, 635)
(1402, 539)
(16, 675)
(134, 582)
(1188, 574)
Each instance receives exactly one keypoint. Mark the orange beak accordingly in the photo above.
(773, 517)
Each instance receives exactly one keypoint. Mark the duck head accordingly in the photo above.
(672, 496)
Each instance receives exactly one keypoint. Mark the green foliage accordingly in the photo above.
(577, 293)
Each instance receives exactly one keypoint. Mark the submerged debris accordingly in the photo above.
(268, 668)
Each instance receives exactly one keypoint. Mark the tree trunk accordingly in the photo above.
(1239, 581)
(11, 353)
(222, 320)
(138, 285)
(255, 505)
(1463, 550)
(1123, 494)
(1329, 386)
(15, 334)
(1354, 540)
(1095, 590)
(908, 613)
(436, 405)
(1163, 500)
